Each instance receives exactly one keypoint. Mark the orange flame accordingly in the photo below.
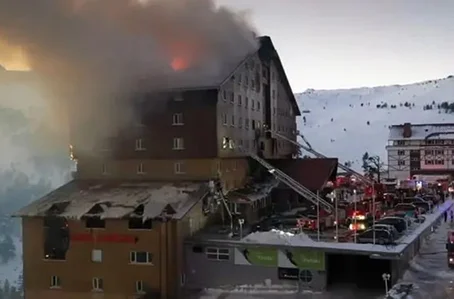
(179, 64)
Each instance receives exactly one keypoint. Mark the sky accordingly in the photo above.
(332, 44)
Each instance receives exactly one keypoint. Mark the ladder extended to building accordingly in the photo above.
(309, 149)
(294, 185)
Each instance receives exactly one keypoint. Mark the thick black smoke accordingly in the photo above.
(94, 52)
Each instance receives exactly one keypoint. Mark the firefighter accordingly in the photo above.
(445, 215)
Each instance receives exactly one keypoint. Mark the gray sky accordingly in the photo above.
(328, 44)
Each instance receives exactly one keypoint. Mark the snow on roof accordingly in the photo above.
(278, 237)
(116, 199)
(253, 193)
(421, 131)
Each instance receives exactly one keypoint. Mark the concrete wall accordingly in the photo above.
(202, 272)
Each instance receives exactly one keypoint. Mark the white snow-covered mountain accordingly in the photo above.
(347, 123)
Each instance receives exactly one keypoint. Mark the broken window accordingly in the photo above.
(138, 223)
(95, 222)
(225, 142)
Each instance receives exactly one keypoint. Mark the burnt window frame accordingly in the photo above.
(90, 222)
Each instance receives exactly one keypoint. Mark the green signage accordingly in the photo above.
(307, 259)
(260, 256)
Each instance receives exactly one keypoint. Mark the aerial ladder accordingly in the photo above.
(309, 149)
(291, 183)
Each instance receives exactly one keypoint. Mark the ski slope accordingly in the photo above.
(337, 120)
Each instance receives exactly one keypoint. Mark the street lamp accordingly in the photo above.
(354, 215)
(386, 277)
(333, 197)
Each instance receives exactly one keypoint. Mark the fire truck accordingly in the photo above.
(360, 216)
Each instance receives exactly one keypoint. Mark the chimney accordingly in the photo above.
(407, 130)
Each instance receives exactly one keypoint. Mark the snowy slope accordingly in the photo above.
(347, 136)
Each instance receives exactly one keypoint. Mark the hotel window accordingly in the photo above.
(429, 162)
(178, 168)
(428, 153)
(240, 100)
(104, 169)
(225, 142)
(140, 145)
(217, 254)
(246, 123)
(439, 152)
(246, 102)
(224, 119)
(240, 122)
(55, 282)
(439, 162)
(97, 284)
(177, 119)
(140, 257)
(178, 143)
(258, 106)
(401, 153)
(224, 95)
(401, 162)
(140, 169)
(232, 121)
(140, 287)
(96, 255)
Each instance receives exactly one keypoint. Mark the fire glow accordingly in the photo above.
(179, 64)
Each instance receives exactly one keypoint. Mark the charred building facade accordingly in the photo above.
(118, 228)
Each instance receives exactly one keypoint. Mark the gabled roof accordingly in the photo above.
(112, 200)
(199, 79)
(311, 173)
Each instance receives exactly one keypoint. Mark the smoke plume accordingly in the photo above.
(92, 53)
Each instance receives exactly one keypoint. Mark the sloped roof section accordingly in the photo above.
(110, 200)
(423, 131)
(200, 79)
(311, 173)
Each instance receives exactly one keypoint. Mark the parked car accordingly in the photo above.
(399, 223)
(387, 227)
(403, 215)
(382, 237)
(423, 206)
(409, 209)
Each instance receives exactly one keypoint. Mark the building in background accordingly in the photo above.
(118, 228)
(422, 151)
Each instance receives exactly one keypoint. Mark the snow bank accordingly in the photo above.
(278, 237)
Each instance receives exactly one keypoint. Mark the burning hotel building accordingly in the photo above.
(117, 229)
